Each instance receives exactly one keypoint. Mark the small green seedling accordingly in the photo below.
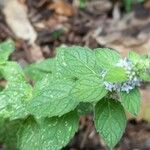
(45, 116)
(128, 4)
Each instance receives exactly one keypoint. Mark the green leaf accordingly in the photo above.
(116, 75)
(110, 120)
(9, 132)
(1, 75)
(52, 134)
(76, 61)
(83, 4)
(127, 4)
(89, 89)
(106, 58)
(16, 94)
(134, 57)
(12, 72)
(2, 130)
(132, 101)
(38, 70)
(85, 108)
(6, 48)
(1, 88)
(52, 98)
(145, 76)
(14, 99)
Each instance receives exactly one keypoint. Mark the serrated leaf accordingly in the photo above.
(6, 48)
(38, 70)
(89, 89)
(13, 100)
(116, 75)
(16, 94)
(134, 57)
(76, 61)
(12, 72)
(110, 121)
(52, 134)
(132, 101)
(52, 98)
(106, 58)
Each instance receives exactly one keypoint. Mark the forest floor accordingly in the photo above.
(43, 25)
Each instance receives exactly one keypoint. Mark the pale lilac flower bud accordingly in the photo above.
(132, 82)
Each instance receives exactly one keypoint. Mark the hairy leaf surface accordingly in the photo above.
(76, 61)
(106, 58)
(14, 99)
(6, 48)
(132, 101)
(12, 72)
(52, 134)
(52, 98)
(110, 120)
(38, 70)
(134, 57)
(89, 89)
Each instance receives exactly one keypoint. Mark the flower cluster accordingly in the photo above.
(130, 84)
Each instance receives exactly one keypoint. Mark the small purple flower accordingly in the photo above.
(125, 63)
(132, 82)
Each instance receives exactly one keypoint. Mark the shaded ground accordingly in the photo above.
(136, 137)
(102, 23)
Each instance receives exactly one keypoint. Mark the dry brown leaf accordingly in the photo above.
(55, 21)
(22, 1)
(145, 109)
(147, 4)
(34, 53)
(99, 6)
(62, 8)
(3, 83)
(17, 19)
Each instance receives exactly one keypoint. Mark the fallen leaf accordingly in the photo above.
(34, 53)
(17, 19)
(62, 8)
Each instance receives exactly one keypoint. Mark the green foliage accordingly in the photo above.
(6, 48)
(106, 58)
(82, 4)
(52, 99)
(145, 76)
(85, 108)
(128, 4)
(131, 102)
(76, 61)
(134, 57)
(116, 74)
(110, 120)
(89, 89)
(10, 129)
(51, 134)
(13, 100)
(38, 70)
(12, 72)
(76, 82)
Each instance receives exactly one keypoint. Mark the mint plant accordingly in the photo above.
(45, 115)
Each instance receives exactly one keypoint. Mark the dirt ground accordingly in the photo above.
(38, 27)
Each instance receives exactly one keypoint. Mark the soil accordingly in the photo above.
(101, 23)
